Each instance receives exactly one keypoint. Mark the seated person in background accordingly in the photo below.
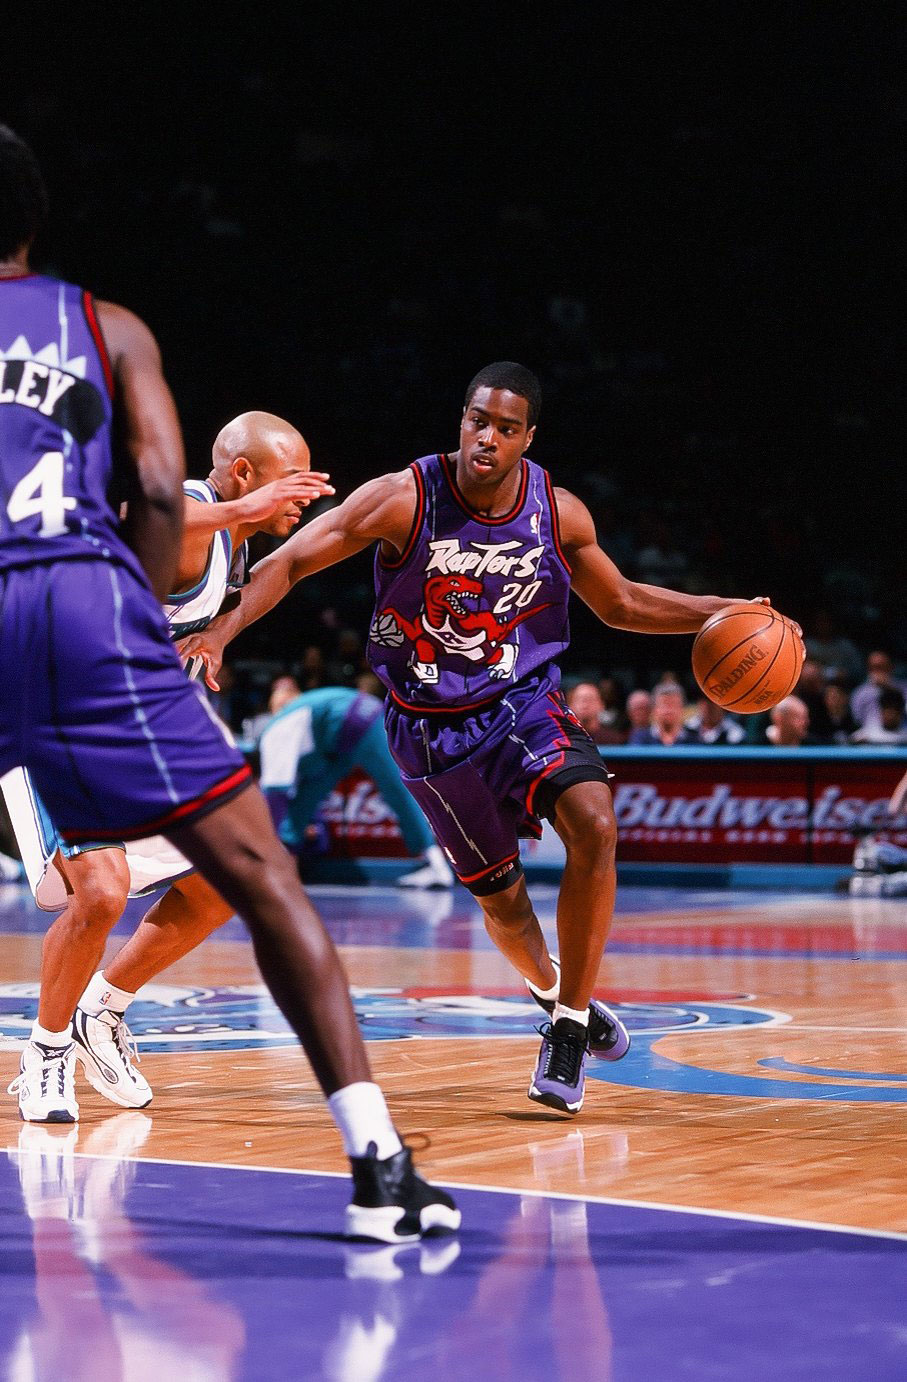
(891, 725)
(865, 700)
(371, 685)
(613, 698)
(282, 689)
(837, 708)
(639, 712)
(587, 705)
(313, 741)
(789, 728)
(712, 725)
(667, 729)
(810, 689)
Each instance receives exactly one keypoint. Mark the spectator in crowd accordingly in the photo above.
(789, 728)
(837, 707)
(833, 650)
(667, 729)
(310, 669)
(371, 685)
(312, 743)
(586, 702)
(613, 716)
(283, 689)
(879, 674)
(810, 689)
(639, 712)
(712, 724)
(891, 725)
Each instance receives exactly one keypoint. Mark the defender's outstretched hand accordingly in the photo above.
(301, 488)
(209, 650)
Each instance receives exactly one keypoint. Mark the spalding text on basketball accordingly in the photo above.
(748, 661)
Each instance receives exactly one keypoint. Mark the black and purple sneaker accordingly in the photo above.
(608, 1037)
(560, 1072)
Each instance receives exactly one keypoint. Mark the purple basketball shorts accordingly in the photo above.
(485, 777)
(94, 702)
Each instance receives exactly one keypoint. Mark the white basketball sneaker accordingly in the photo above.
(105, 1047)
(45, 1084)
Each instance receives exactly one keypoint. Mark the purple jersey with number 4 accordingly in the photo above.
(473, 604)
(56, 459)
(93, 700)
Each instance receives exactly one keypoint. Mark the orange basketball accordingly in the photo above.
(747, 658)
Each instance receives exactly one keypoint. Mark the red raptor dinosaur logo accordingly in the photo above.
(444, 622)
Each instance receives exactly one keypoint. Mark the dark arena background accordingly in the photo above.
(685, 220)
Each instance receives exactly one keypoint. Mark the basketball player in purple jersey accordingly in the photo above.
(94, 702)
(477, 554)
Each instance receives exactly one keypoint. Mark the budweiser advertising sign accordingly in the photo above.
(723, 810)
(688, 807)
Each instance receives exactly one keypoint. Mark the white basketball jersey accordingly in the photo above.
(192, 610)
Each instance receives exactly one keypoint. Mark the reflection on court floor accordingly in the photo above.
(730, 1202)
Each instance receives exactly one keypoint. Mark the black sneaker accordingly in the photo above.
(560, 1072)
(608, 1037)
(392, 1204)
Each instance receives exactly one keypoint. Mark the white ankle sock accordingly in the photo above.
(361, 1116)
(549, 995)
(574, 1015)
(48, 1038)
(100, 996)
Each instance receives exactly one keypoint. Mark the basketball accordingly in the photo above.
(747, 658)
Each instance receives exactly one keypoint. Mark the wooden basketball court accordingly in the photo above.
(761, 1105)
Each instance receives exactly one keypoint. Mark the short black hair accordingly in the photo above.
(507, 374)
(23, 195)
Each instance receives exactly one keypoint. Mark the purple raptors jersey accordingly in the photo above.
(473, 604)
(55, 424)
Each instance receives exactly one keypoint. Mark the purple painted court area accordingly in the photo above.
(116, 1269)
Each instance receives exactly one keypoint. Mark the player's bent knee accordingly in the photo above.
(587, 825)
(100, 884)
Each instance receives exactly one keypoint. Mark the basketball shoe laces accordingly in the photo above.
(121, 1036)
(565, 1054)
(53, 1063)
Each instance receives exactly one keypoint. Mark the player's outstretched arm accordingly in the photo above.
(204, 520)
(381, 510)
(153, 443)
(617, 601)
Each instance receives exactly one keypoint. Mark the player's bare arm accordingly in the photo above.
(243, 517)
(153, 443)
(622, 603)
(380, 510)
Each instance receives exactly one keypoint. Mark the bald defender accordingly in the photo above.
(260, 481)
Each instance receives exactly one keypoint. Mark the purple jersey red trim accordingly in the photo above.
(450, 474)
(474, 604)
(391, 563)
(181, 815)
(98, 336)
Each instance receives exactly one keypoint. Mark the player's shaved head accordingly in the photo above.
(262, 439)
